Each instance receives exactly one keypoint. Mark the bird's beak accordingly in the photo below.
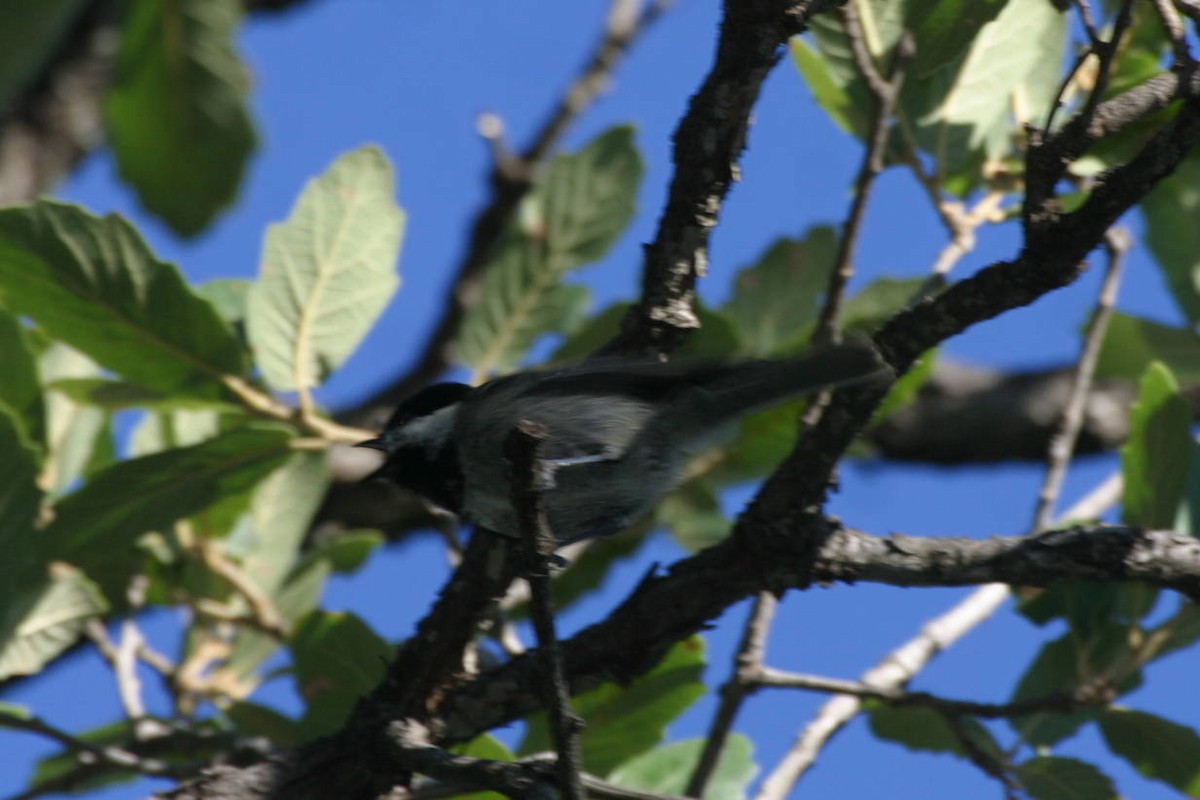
(374, 444)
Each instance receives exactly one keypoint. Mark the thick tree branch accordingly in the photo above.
(707, 146)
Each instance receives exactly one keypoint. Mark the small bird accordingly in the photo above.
(620, 432)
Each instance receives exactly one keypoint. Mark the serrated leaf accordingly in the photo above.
(1157, 748)
(622, 722)
(774, 302)
(94, 284)
(176, 111)
(1132, 342)
(1171, 210)
(337, 659)
(665, 770)
(1057, 778)
(95, 527)
(20, 389)
(1156, 458)
(327, 272)
(926, 729)
(45, 619)
(962, 111)
(573, 216)
(944, 29)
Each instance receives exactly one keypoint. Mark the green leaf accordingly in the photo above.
(879, 301)
(45, 619)
(693, 516)
(116, 395)
(763, 440)
(1171, 210)
(20, 500)
(926, 729)
(487, 747)
(622, 722)
(1157, 748)
(229, 297)
(20, 390)
(961, 113)
(176, 111)
(665, 770)
(572, 217)
(1156, 458)
(327, 272)
(76, 433)
(280, 517)
(1131, 343)
(905, 390)
(30, 34)
(1056, 778)
(95, 527)
(338, 658)
(92, 283)
(774, 303)
(1064, 665)
(833, 92)
(91, 775)
(347, 550)
(944, 29)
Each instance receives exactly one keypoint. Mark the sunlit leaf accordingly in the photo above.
(665, 770)
(95, 527)
(92, 283)
(327, 272)
(75, 432)
(46, 618)
(176, 110)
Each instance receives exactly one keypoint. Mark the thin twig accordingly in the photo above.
(748, 659)
(990, 764)
(1117, 243)
(530, 480)
(899, 666)
(1086, 697)
(265, 616)
(886, 92)
(116, 756)
(1174, 27)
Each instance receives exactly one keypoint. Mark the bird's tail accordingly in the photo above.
(756, 385)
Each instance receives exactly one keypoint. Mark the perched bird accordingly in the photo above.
(620, 432)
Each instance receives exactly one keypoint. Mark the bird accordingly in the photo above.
(619, 432)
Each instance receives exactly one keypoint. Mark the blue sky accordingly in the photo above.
(413, 77)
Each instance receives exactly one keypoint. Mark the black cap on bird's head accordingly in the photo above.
(424, 403)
